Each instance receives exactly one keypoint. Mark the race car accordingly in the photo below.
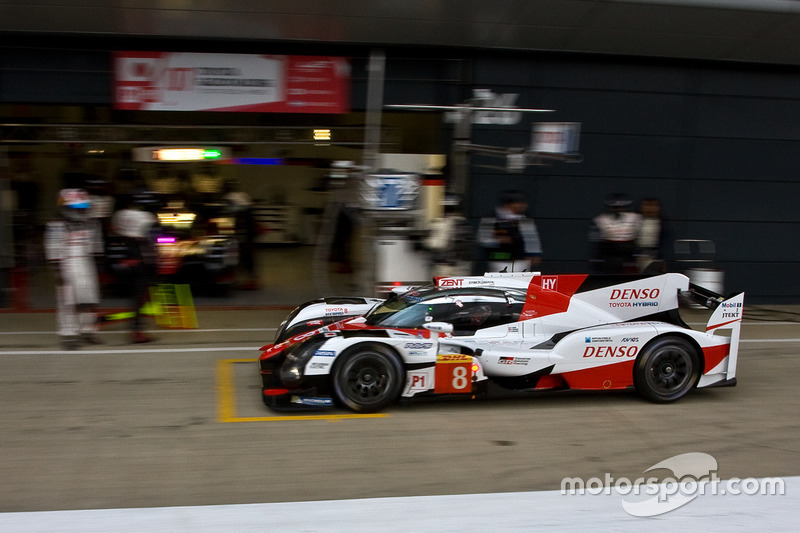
(519, 331)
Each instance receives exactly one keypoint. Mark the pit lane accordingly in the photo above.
(119, 426)
(236, 381)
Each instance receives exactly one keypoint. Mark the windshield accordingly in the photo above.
(409, 309)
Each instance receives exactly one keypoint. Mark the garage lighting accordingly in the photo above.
(322, 135)
(169, 154)
(186, 154)
(176, 220)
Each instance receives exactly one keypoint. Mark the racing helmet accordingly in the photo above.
(479, 314)
(74, 204)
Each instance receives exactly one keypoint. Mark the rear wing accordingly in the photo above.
(702, 296)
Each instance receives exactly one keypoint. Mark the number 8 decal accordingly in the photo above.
(460, 380)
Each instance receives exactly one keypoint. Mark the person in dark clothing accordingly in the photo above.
(134, 225)
(652, 243)
(510, 237)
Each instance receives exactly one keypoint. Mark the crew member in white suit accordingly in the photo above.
(71, 243)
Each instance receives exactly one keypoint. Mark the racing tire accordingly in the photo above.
(367, 378)
(667, 369)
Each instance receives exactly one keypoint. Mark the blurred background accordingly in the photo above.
(319, 141)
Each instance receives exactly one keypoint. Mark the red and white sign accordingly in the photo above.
(165, 81)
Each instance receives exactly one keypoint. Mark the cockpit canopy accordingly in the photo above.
(467, 309)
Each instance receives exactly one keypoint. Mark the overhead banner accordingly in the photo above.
(166, 81)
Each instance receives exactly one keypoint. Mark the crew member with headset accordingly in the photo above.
(134, 224)
(510, 238)
(614, 234)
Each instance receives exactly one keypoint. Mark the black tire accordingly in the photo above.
(367, 378)
(667, 369)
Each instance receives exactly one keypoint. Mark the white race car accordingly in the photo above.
(521, 331)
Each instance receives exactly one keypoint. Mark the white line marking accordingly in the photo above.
(756, 341)
(226, 330)
(764, 323)
(112, 332)
(101, 351)
(156, 349)
(759, 323)
(510, 512)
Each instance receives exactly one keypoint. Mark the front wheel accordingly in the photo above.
(367, 379)
(667, 369)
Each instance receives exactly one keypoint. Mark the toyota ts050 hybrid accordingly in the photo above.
(521, 331)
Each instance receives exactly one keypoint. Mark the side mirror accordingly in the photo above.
(439, 327)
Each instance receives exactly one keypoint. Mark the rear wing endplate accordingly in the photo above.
(728, 315)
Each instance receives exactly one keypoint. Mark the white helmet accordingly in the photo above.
(74, 203)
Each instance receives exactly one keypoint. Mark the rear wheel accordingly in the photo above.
(367, 379)
(667, 369)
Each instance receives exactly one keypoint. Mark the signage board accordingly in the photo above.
(556, 137)
(174, 81)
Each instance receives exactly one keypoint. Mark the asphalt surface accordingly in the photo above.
(180, 422)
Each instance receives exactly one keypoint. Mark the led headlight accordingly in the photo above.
(296, 360)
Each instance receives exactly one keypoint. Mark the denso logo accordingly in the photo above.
(610, 351)
(451, 282)
(635, 294)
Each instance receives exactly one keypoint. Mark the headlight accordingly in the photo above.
(296, 360)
